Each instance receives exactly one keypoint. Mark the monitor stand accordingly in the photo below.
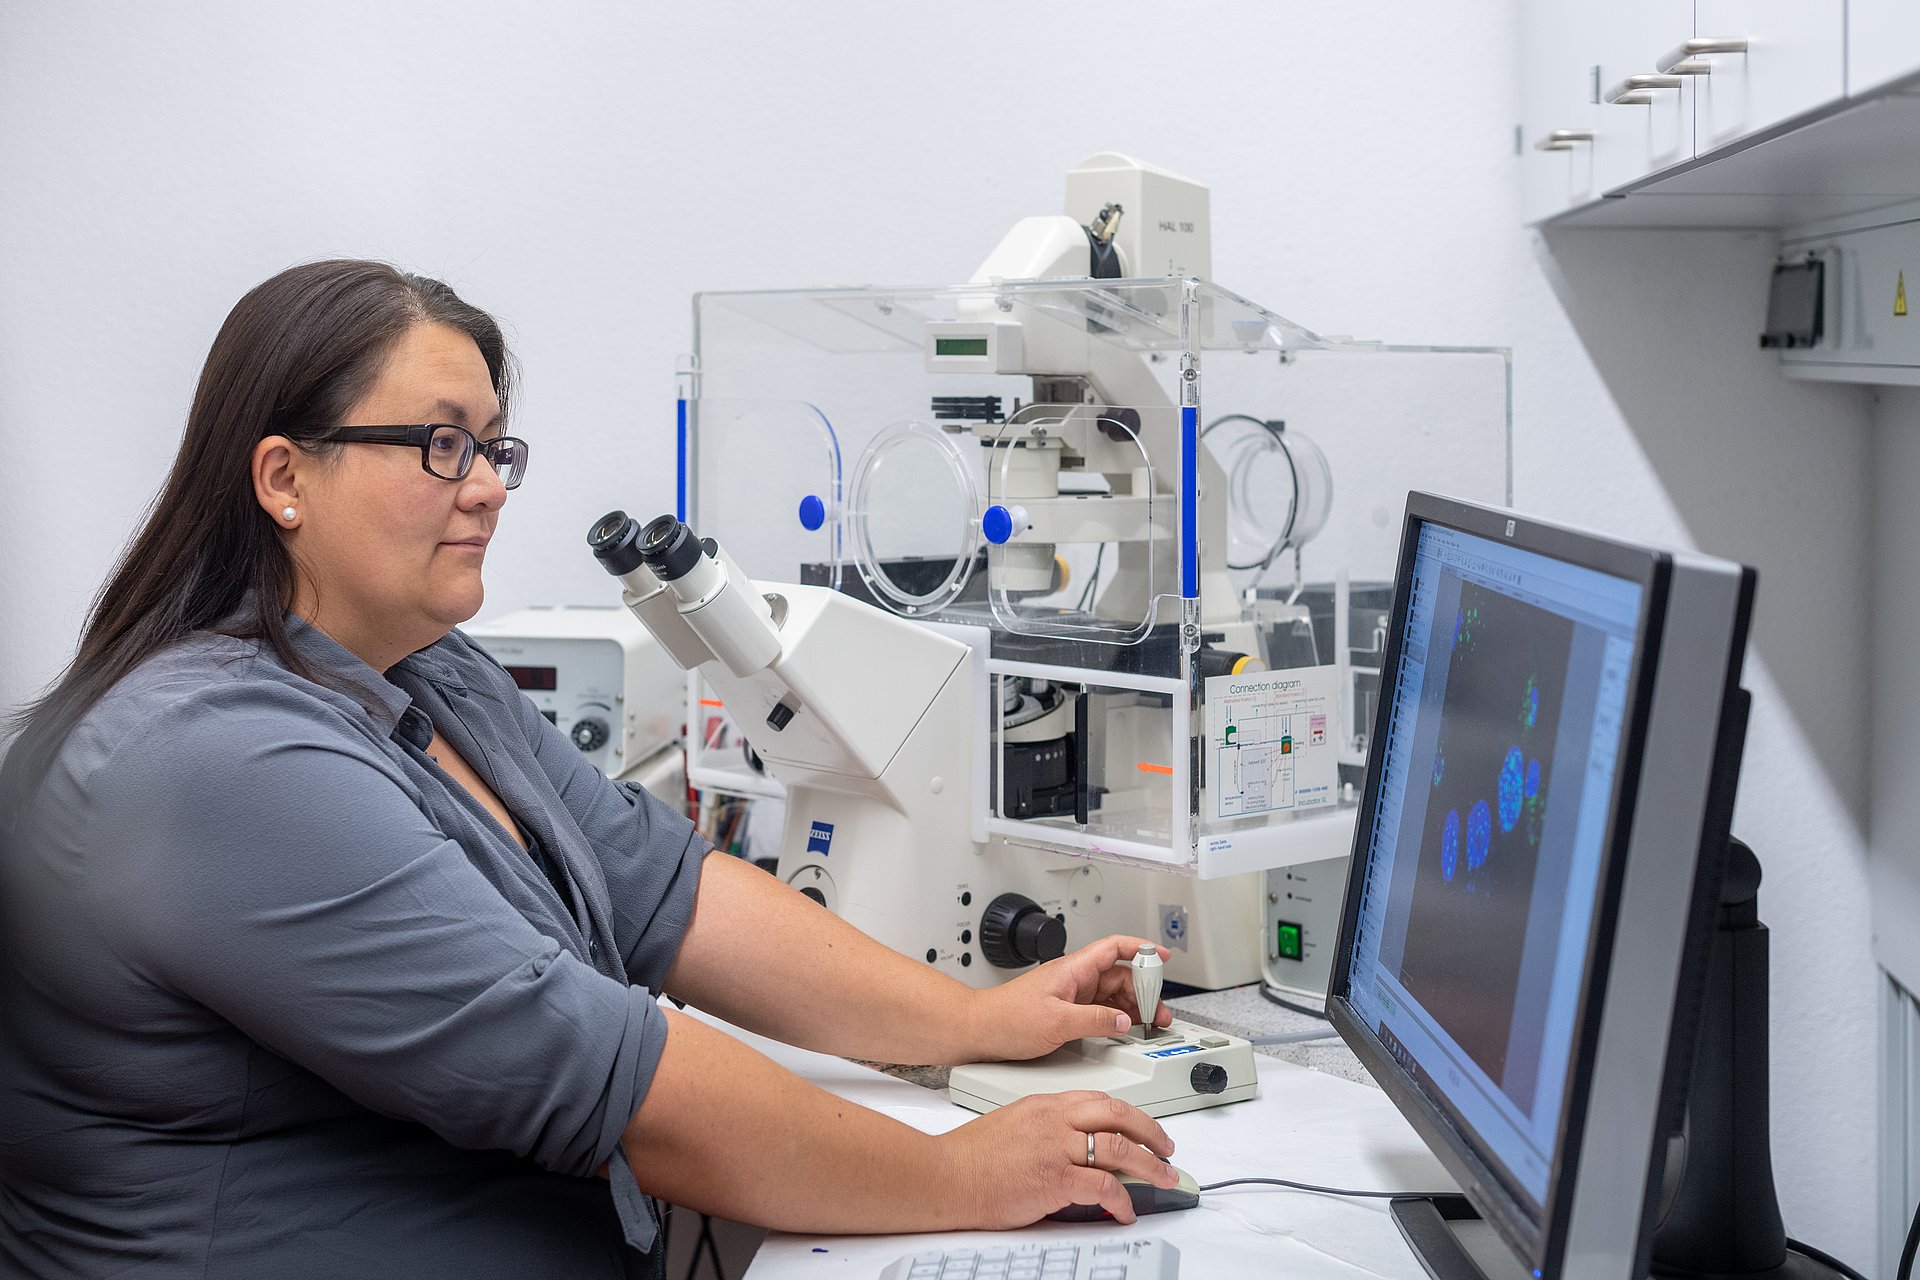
(1719, 1216)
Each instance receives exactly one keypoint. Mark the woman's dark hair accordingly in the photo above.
(292, 358)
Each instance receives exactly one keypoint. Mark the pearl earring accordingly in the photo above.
(288, 513)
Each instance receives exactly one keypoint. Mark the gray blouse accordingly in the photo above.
(280, 998)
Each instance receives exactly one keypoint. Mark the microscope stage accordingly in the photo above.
(1178, 1068)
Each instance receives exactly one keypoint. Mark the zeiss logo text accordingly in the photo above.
(820, 838)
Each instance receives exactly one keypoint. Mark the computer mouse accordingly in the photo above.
(1146, 1198)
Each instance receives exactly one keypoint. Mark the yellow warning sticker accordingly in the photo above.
(1900, 295)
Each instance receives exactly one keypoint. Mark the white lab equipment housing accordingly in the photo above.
(1136, 548)
(597, 673)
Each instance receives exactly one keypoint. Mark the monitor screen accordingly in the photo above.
(1536, 865)
(1496, 775)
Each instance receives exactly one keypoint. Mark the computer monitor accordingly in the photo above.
(1537, 866)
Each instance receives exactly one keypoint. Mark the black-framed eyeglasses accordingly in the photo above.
(448, 451)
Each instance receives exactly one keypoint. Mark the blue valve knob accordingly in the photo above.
(997, 524)
(813, 512)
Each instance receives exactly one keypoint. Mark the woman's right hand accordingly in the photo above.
(1029, 1158)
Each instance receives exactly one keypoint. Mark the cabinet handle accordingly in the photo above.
(1684, 59)
(1563, 139)
(1637, 90)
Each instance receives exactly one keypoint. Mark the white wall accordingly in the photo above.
(582, 169)
(1895, 826)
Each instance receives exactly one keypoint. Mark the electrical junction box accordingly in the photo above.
(1870, 304)
(597, 673)
(1302, 913)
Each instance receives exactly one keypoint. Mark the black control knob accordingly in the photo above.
(1208, 1077)
(1015, 933)
(590, 733)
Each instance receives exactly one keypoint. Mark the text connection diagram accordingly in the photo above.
(1269, 741)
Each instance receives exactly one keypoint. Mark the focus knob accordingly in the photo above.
(1015, 932)
(1208, 1077)
(589, 733)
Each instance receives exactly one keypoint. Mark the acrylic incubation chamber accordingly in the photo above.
(1165, 518)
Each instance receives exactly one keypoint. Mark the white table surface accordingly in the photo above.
(1305, 1125)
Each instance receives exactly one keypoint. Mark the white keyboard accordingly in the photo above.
(1147, 1258)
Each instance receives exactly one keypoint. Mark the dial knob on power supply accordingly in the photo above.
(1015, 932)
(1208, 1077)
(590, 733)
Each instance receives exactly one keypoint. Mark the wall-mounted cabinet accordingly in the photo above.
(1883, 43)
(1792, 60)
(1634, 98)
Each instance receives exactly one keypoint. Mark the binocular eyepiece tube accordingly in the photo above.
(664, 559)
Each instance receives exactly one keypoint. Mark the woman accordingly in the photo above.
(327, 954)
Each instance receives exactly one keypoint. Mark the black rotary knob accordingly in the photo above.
(590, 733)
(1208, 1077)
(1015, 932)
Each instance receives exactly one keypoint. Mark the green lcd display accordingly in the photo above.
(959, 346)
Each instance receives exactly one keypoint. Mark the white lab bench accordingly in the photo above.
(1308, 1125)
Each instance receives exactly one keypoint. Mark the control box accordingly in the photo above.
(1302, 925)
(597, 673)
(1163, 1071)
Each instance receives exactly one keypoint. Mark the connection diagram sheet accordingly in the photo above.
(1272, 741)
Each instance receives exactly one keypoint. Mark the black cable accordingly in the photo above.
(1913, 1243)
(1325, 1191)
(1288, 1004)
(1093, 580)
(711, 1245)
(1824, 1259)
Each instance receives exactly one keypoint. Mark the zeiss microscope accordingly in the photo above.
(1025, 677)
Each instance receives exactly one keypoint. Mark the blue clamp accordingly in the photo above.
(813, 512)
(997, 524)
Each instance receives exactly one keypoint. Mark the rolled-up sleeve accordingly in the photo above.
(284, 877)
(649, 853)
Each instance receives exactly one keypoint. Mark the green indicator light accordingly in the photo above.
(1288, 941)
(959, 346)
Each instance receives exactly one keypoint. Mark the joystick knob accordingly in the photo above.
(1208, 1077)
(1015, 932)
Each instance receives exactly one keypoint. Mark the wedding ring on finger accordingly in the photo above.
(1089, 1151)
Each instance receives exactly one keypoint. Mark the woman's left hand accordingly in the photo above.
(1088, 992)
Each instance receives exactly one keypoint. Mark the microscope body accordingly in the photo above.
(1108, 756)
(869, 721)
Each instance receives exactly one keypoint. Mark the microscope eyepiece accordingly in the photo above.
(613, 539)
(669, 548)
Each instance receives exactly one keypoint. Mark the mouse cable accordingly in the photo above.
(1913, 1243)
(1296, 1037)
(1266, 994)
(1824, 1259)
(1325, 1191)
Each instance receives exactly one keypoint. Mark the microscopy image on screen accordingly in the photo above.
(1491, 784)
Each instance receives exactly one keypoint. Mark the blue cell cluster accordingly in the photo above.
(1530, 712)
(1479, 834)
(1533, 778)
(1510, 788)
(1450, 845)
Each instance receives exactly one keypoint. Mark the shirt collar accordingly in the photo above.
(383, 700)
